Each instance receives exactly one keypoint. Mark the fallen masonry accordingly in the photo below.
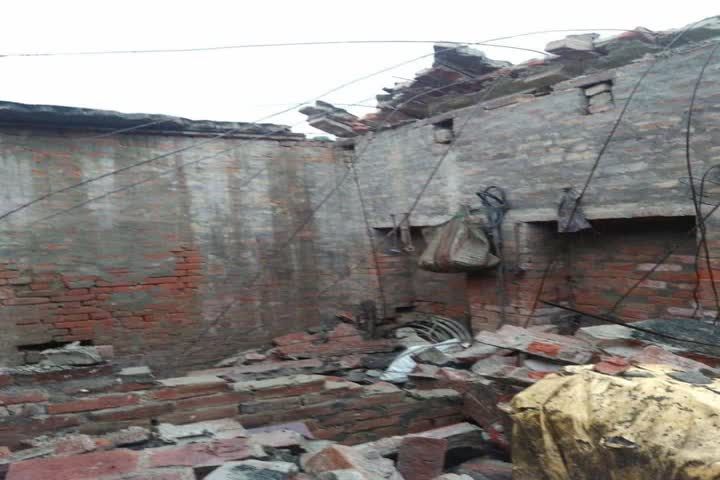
(266, 414)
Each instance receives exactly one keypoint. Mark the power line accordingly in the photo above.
(631, 326)
(697, 201)
(621, 115)
(228, 307)
(291, 44)
(251, 126)
(295, 232)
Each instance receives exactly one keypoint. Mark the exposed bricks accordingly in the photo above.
(22, 396)
(81, 467)
(147, 411)
(99, 403)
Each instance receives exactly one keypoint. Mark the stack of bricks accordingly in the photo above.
(94, 400)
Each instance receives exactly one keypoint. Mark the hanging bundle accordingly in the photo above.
(458, 245)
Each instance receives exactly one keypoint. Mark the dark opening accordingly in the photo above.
(641, 225)
(443, 131)
(37, 347)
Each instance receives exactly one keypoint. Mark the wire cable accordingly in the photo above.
(249, 127)
(697, 201)
(621, 115)
(608, 319)
(290, 44)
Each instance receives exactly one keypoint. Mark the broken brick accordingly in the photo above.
(421, 458)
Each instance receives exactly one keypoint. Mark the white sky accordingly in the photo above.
(248, 84)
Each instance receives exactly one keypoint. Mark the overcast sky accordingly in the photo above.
(249, 84)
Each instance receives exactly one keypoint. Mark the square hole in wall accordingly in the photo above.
(598, 97)
(443, 131)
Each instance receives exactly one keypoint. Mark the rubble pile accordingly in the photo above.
(330, 403)
(461, 76)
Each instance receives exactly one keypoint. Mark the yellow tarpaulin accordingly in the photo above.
(591, 426)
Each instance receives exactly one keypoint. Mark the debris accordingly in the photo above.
(367, 462)
(399, 369)
(421, 458)
(573, 44)
(486, 469)
(71, 354)
(254, 470)
(546, 345)
(331, 119)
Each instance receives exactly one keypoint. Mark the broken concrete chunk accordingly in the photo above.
(573, 44)
(467, 60)
(494, 366)
(654, 355)
(368, 462)
(129, 436)
(331, 119)
(136, 375)
(254, 470)
(278, 439)
(71, 355)
(438, 393)
(547, 345)
(180, 434)
(458, 435)
(193, 432)
(596, 89)
(475, 352)
(433, 356)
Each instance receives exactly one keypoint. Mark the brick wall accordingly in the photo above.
(592, 270)
(148, 269)
(536, 148)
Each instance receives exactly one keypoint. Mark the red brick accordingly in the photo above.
(160, 280)
(22, 396)
(201, 454)
(90, 466)
(65, 323)
(190, 390)
(130, 413)
(72, 298)
(212, 400)
(99, 403)
(372, 424)
(27, 301)
(421, 458)
(201, 414)
(5, 379)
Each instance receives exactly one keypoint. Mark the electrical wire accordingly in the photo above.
(697, 200)
(249, 127)
(303, 224)
(621, 115)
(290, 44)
(371, 242)
(606, 318)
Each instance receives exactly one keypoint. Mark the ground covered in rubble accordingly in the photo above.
(327, 404)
